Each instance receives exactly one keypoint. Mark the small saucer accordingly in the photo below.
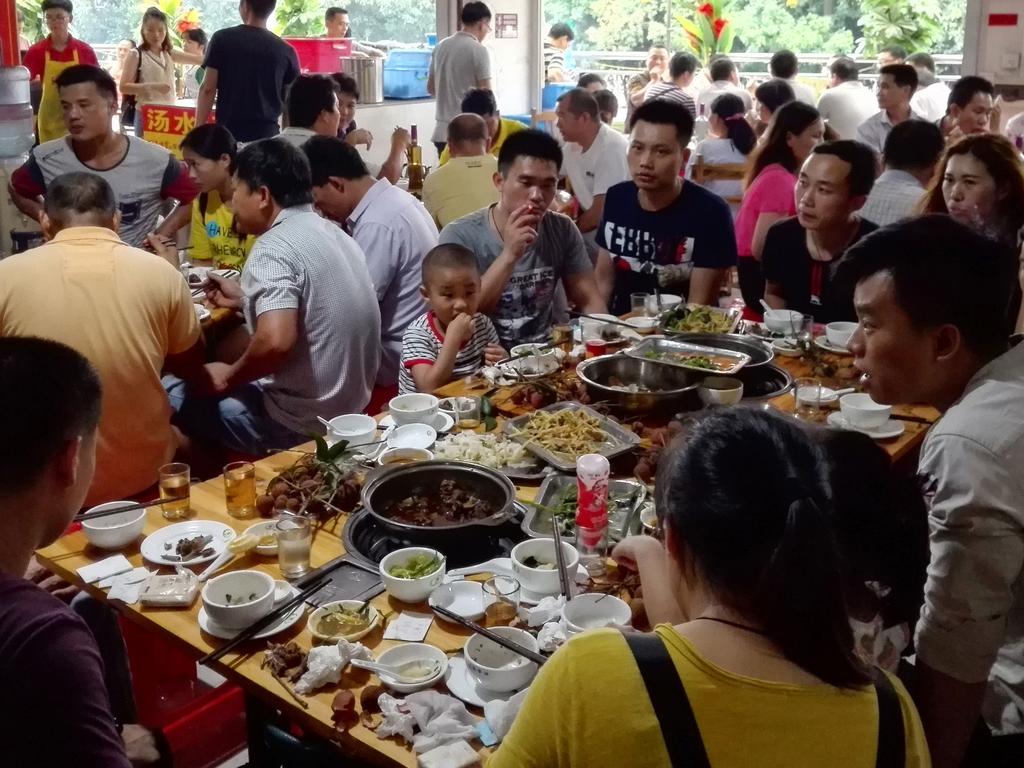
(466, 598)
(823, 343)
(890, 429)
(442, 422)
(786, 347)
(463, 685)
(287, 621)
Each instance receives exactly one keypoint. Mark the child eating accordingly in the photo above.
(451, 340)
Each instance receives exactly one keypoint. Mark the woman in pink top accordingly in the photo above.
(795, 130)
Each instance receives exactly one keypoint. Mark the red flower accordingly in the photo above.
(718, 26)
(707, 10)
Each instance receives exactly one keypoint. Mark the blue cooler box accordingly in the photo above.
(405, 74)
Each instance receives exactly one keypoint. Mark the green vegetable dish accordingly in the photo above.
(416, 568)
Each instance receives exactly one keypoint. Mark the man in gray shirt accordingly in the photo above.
(310, 307)
(932, 298)
(525, 250)
(460, 62)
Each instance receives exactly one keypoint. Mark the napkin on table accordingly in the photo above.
(325, 663)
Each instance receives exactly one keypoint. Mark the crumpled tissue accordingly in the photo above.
(548, 609)
(441, 719)
(397, 719)
(552, 636)
(500, 714)
(325, 663)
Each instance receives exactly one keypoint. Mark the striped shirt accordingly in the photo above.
(554, 60)
(671, 92)
(305, 262)
(421, 344)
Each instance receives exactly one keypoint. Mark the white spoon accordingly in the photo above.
(766, 306)
(237, 546)
(411, 672)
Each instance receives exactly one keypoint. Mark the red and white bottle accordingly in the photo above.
(592, 474)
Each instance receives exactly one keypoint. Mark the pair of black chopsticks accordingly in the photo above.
(251, 631)
(492, 636)
(129, 508)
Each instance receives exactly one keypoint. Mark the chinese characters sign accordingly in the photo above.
(167, 125)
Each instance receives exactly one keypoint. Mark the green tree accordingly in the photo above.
(768, 25)
(896, 22)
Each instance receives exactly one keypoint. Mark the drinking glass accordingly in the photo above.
(652, 305)
(468, 415)
(806, 398)
(501, 599)
(175, 482)
(294, 540)
(638, 303)
(240, 489)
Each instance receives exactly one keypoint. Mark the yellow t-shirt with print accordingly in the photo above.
(505, 129)
(588, 707)
(213, 236)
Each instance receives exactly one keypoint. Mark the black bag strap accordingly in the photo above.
(892, 750)
(204, 200)
(668, 697)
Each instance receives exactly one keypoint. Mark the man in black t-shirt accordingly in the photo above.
(659, 228)
(801, 253)
(248, 70)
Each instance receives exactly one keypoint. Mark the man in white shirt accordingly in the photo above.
(891, 54)
(724, 79)
(466, 181)
(912, 151)
(784, 65)
(459, 62)
(636, 87)
(337, 25)
(681, 71)
(594, 159)
(932, 96)
(391, 226)
(932, 299)
(847, 103)
(896, 84)
(312, 109)
(971, 104)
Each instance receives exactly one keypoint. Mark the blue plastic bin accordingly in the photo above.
(405, 74)
(549, 96)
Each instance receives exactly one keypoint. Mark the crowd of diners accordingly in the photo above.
(812, 605)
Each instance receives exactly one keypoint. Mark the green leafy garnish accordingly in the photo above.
(416, 568)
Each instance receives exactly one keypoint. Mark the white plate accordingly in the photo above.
(287, 621)
(785, 349)
(463, 685)
(890, 429)
(502, 566)
(412, 436)
(442, 422)
(512, 368)
(466, 598)
(823, 342)
(262, 529)
(153, 545)
(371, 451)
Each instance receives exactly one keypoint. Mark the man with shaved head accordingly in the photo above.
(466, 182)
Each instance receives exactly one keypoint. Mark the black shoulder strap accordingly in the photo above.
(892, 751)
(668, 697)
(204, 200)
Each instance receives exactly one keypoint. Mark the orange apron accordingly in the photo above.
(50, 120)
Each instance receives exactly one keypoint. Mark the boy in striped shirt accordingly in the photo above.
(452, 339)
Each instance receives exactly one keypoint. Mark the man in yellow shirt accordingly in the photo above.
(480, 101)
(128, 311)
(466, 182)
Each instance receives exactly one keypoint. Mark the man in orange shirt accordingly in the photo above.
(129, 312)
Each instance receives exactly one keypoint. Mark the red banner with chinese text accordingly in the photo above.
(167, 125)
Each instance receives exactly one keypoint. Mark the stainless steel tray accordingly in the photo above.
(620, 440)
(733, 314)
(654, 349)
(624, 500)
(760, 352)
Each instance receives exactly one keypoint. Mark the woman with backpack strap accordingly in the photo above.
(762, 670)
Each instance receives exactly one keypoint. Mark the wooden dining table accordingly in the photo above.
(181, 626)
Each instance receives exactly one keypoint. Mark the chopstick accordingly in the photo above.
(266, 621)
(130, 508)
(601, 319)
(492, 636)
(563, 572)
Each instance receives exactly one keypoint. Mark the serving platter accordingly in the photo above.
(655, 350)
(620, 440)
(729, 318)
(624, 500)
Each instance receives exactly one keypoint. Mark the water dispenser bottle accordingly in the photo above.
(16, 123)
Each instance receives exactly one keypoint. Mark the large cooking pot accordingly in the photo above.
(385, 487)
(764, 382)
(667, 386)
(369, 76)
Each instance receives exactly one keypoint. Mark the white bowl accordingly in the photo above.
(643, 325)
(542, 581)
(456, 406)
(783, 321)
(411, 590)
(356, 428)
(412, 436)
(838, 334)
(720, 390)
(670, 300)
(251, 598)
(114, 531)
(323, 610)
(395, 456)
(496, 667)
(265, 528)
(407, 652)
(414, 408)
(861, 411)
(592, 611)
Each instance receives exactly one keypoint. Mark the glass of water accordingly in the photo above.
(807, 398)
(638, 303)
(294, 541)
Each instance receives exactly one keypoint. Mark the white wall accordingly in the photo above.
(381, 120)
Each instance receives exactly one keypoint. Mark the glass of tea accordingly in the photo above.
(240, 489)
(501, 598)
(175, 482)
(294, 541)
(468, 412)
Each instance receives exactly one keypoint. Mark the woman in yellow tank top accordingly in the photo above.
(762, 670)
(209, 152)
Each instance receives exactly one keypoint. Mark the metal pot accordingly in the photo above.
(760, 352)
(389, 485)
(671, 386)
(369, 77)
(764, 382)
